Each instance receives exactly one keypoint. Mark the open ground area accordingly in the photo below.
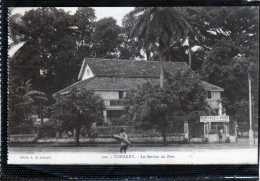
(233, 153)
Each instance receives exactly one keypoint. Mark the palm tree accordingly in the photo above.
(19, 103)
(38, 101)
(26, 101)
(161, 27)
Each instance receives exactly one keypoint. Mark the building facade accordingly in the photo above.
(111, 79)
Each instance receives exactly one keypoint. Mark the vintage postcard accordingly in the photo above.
(133, 85)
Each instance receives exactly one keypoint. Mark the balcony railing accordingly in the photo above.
(114, 102)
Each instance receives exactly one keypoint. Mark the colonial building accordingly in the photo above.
(111, 79)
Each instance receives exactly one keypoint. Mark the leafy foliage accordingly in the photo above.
(226, 67)
(152, 107)
(55, 43)
(106, 38)
(24, 102)
(77, 110)
(161, 27)
(232, 57)
(49, 55)
(129, 48)
(84, 27)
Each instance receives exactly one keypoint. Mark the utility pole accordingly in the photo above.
(189, 52)
(250, 133)
(187, 45)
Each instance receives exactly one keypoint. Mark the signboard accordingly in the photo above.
(206, 119)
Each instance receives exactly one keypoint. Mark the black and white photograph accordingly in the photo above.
(133, 85)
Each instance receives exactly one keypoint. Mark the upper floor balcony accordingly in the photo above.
(109, 103)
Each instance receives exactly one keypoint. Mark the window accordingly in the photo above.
(121, 94)
(209, 95)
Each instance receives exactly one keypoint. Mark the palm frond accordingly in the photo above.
(35, 93)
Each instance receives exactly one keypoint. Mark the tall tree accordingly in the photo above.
(19, 106)
(130, 48)
(227, 67)
(50, 49)
(239, 24)
(106, 38)
(77, 110)
(161, 27)
(23, 103)
(84, 27)
(210, 25)
(38, 106)
(232, 55)
(152, 107)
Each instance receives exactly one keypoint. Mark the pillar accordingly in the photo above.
(250, 132)
(105, 116)
(186, 130)
(226, 129)
(236, 127)
(74, 133)
(220, 109)
(209, 127)
(205, 130)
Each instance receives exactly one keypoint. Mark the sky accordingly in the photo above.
(116, 12)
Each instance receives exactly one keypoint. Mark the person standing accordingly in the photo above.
(236, 131)
(93, 130)
(124, 141)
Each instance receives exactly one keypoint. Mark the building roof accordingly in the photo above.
(211, 87)
(111, 74)
(110, 83)
(129, 68)
(124, 84)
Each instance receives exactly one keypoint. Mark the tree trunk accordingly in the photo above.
(164, 129)
(39, 131)
(58, 134)
(77, 135)
(164, 138)
(147, 55)
(161, 71)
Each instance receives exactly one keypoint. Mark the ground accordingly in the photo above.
(232, 153)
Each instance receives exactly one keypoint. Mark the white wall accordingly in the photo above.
(215, 95)
(87, 73)
(107, 94)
